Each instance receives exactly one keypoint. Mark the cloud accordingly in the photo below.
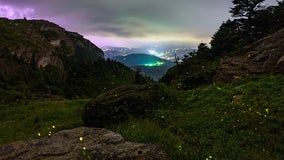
(14, 12)
(138, 21)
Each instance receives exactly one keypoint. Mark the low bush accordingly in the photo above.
(117, 105)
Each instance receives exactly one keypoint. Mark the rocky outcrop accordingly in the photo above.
(81, 143)
(265, 56)
(42, 43)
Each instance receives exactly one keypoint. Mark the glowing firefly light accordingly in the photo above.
(38, 134)
(81, 138)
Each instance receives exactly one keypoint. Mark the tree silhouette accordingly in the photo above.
(245, 8)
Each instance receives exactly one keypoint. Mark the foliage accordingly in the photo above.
(35, 119)
(252, 23)
(93, 78)
(241, 120)
(193, 72)
(119, 104)
(245, 8)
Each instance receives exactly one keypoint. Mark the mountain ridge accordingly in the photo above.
(40, 57)
(42, 42)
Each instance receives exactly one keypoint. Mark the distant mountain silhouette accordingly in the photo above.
(150, 65)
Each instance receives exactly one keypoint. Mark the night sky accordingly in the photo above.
(129, 23)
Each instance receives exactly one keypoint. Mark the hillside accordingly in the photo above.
(41, 59)
(240, 120)
(150, 65)
(44, 43)
(266, 56)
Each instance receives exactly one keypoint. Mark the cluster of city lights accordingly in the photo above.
(154, 64)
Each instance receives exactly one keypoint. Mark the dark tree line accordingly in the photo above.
(252, 21)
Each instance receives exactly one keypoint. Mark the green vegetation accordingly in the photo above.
(34, 119)
(241, 120)
(118, 105)
(75, 65)
(203, 120)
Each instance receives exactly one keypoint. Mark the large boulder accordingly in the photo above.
(81, 143)
(265, 56)
(119, 104)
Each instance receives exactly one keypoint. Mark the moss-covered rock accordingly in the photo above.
(263, 57)
(132, 100)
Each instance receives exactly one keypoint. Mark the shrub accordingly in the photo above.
(117, 105)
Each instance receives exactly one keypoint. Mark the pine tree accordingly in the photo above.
(245, 8)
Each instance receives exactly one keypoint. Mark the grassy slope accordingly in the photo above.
(242, 120)
(25, 120)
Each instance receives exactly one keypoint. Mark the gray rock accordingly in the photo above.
(280, 65)
(264, 57)
(81, 143)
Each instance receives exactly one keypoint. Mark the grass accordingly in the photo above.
(32, 119)
(241, 120)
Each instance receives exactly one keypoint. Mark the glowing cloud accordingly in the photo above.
(14, 12)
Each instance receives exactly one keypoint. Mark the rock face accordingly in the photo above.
(42, 43)
(265, 56)
(81, 143)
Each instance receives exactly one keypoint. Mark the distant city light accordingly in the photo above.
(155, 53)
(152, 51)
(154, 64)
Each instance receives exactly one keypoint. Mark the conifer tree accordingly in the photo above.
(245, 8)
